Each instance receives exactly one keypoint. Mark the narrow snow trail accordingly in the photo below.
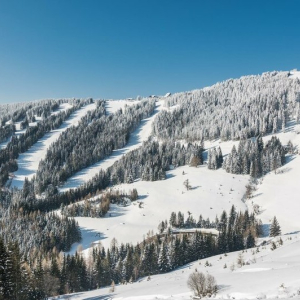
(136, 139)
(28, 162)
(62, 107)
(4, 144)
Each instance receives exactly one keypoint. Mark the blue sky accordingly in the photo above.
(119, 49)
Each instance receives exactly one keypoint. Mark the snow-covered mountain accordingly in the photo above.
(83, 159)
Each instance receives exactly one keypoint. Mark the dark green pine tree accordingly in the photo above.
(184, 250)
(250, 241)
(275, 229)
(176, 253)
(3, 273)
(38, 288)
(222, 242)
(196, 246)
(163, 259)
(128, 264)
(13, 272)
(63, 277)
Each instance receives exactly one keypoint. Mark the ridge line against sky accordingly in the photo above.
(119, 49)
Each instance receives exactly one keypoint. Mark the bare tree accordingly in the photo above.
(211, 284)
(197, 283)
(202, 285)
(112, 287)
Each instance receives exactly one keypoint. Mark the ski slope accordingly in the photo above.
(267, 275)
(28, 162)
(211, 193)
(62, 107)
(136, 139)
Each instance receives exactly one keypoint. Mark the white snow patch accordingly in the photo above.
(113, 106)
(295, 74)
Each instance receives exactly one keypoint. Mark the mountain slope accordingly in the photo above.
(269, 275)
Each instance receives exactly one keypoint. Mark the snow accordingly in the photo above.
(136, 139)
(113, 106)
(28, 162)
(295, 74)
(4, 144)
(269, 275)
(62, 107)
(211, 193)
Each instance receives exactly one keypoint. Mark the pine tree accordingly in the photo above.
(163, 259)
(250, 241)
(275, 229)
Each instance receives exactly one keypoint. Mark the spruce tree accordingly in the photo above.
(275, 229)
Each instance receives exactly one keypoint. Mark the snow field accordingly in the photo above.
(211, 193)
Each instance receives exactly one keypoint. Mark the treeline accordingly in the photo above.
(149, 162)
(231, 110)
(99, 206)
(254, 158)
(36, 232)
(84, 145)
(158, 254)
(18, 112)
(6, 132)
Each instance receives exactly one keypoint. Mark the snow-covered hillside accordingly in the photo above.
(136, 139)
(28, 162)
(211, 193)
(267, 274)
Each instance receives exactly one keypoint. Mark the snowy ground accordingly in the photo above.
(267, 275)
(136, 139)
(211, 193)
(295, 74)
(28, 162)
(113, 106)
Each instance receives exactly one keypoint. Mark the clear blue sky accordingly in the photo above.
(118, 49)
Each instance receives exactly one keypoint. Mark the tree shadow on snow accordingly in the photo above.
(256, 195)
(101, 297)
(294, 232)
(194, 187)
(289, 158)
(223, 287)
(168, 176)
